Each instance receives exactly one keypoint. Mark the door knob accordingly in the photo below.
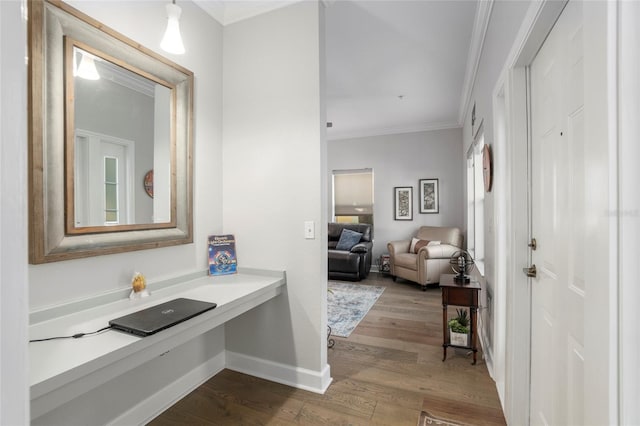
(531, 271)
(533, 244)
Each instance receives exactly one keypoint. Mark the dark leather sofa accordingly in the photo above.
(354, 264)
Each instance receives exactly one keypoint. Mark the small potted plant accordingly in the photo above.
(459, 328)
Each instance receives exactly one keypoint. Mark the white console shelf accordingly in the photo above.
(61, 370)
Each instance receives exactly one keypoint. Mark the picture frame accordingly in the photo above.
(403, 205)
(429, 196)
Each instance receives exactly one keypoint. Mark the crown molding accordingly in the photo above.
(480, 25)
(365, 133)
(229, 12)
(126, 78)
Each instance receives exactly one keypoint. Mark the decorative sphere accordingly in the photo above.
(461, 262)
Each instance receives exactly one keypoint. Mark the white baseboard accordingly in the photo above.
(301, 378)
(487, 351)
(157, 403)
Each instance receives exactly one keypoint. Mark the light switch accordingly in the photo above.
(309, 230)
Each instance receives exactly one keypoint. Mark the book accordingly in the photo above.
(222, 255)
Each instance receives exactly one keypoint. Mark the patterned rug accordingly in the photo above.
(348, 304)
(428, 419)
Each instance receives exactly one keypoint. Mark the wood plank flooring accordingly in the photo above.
(385, 373)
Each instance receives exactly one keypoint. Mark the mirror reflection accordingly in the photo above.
(121, 143)
(104, 136)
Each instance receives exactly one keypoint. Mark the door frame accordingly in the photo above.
(127, 214)
(629, 209)
(513, 85)
(514, 80)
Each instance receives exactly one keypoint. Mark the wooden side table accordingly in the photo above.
(458, 294)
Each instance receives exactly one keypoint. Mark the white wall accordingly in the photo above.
(402, 160)
(505, 21)
(273, 179)
(14, 379)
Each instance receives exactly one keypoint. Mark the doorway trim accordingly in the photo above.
(87, 153)
(628, 210)
(603, 18)
(513, 83)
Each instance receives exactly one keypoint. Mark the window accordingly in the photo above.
(353, 196)
(111, 190)
(475, 202)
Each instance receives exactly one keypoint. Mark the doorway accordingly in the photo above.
(561, 362)
(558, 224)
(103, 180)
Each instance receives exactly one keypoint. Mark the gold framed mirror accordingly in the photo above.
(104, 111)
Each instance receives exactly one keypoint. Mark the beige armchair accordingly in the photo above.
(425, 266)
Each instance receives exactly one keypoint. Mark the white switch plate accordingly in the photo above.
(309, 230)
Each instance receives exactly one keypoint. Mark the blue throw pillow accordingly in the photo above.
(348, 239)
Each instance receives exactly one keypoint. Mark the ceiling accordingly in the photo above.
(393, 66)
(229, 11)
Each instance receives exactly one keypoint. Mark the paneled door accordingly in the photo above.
(103, 180)
(558, 224)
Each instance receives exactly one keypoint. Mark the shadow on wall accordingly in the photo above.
(256, 337)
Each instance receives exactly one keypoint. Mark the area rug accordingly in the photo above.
(348, 304)
(428, 419)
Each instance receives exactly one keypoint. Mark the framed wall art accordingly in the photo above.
(403, 202)
(429, 196)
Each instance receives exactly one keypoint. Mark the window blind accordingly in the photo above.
(353, 192)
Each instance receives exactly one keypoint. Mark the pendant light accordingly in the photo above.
(87, 68)
(172, 40)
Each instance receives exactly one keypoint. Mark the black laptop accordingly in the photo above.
(160, 317)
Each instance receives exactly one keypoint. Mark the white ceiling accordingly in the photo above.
(396, 66)
(229, 11)
(393, 66)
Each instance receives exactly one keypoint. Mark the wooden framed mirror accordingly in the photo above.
(104, 111)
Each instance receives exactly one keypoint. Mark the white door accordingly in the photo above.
(112, 184)
(103, 178)
(558, 225)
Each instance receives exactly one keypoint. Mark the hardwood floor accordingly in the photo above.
(385, 373)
